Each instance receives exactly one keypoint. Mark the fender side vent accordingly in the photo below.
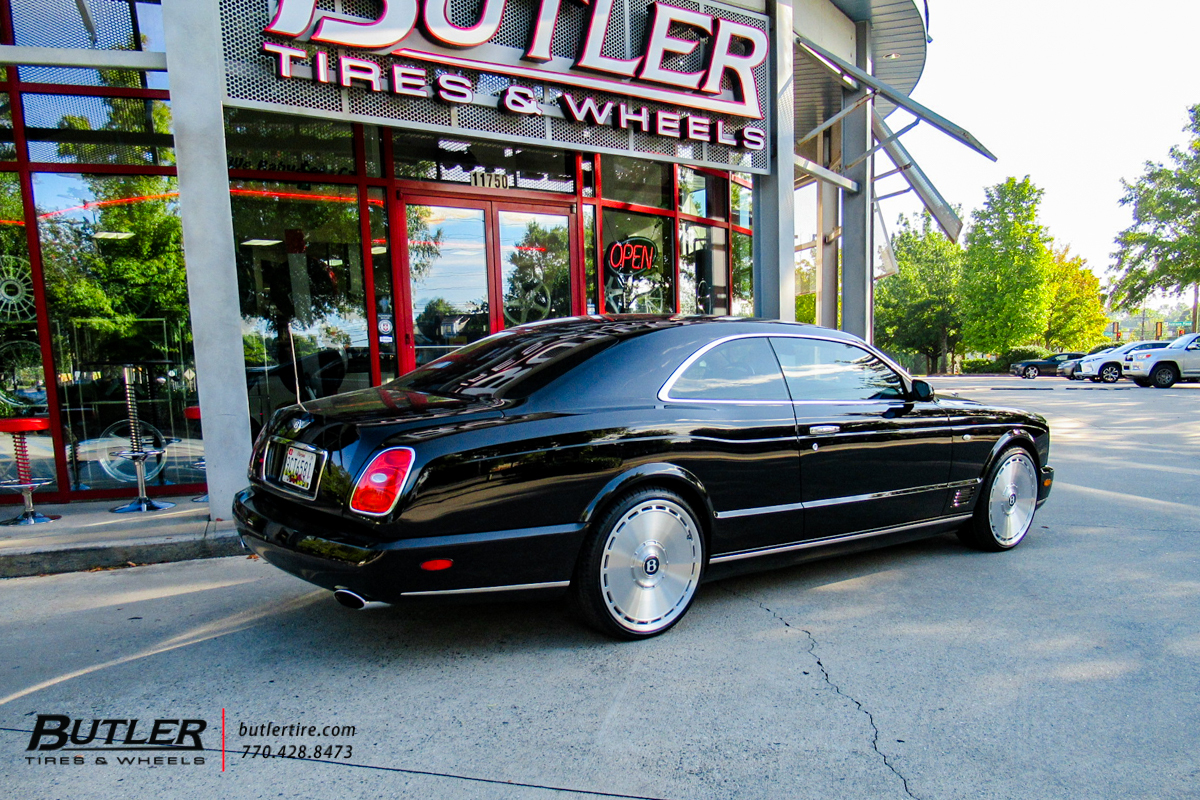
(963, 496)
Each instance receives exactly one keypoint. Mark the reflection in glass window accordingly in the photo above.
(535, 266)
(98, 130)
(303, 299)
(284, 143)
(447, 267)
(436, 158)
(744, 369)
(638, 288)
(381, 270)
(743, 200)
(22, 381)
(632, 180)
(589, 258)
(818, 369)
(95, 25)
(112, 256)
(703, 195)
(8, 151)
(743, 274)
(703, 270)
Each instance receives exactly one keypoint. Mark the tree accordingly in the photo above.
(538, 284)
(1007, 260)
(1160, 251)
(920, 309)
(1076, 317)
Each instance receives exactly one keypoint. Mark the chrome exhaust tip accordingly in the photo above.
(350, 599)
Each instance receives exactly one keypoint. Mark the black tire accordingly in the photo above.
(1110, 373)
(1143, 382)
(1007, 503)
(653, 591)
(1030, 372)
(1164, 376)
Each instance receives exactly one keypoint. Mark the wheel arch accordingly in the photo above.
(666, 475)
(1018, 437)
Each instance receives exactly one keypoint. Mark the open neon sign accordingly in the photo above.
(635, 254)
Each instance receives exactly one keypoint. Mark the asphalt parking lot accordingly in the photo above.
(1067, 668)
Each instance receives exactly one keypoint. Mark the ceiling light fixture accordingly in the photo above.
(112, 235)
(261, 242)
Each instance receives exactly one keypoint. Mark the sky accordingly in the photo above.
(1077, 95)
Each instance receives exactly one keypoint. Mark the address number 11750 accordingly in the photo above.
(489, 180)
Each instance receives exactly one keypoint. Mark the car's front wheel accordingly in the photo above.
(638, 573)
(1110, 373)
(1004, 513)
(1164, 376)
(1031, 372)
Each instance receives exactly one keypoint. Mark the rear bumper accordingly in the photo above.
(524, 561)
(1045, 484)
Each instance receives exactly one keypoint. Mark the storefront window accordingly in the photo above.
(589, 259)
(631, 180)
(381, 270)
(22, 382)
(303, 298)
(535, 266)
(8, 151)
(703, 270)
(743, 201)
(105, 25)
(486, 164)
(280, 143)
(643, 282)
(98, 130)
(703, 195)
(116, 288)
(743, 275)
(448, 272)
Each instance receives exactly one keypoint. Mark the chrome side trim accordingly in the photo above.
(836, 501)
(849, 537)
(515, 587)
(750, 512)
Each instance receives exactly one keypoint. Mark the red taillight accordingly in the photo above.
(437, 564)
(380, 484)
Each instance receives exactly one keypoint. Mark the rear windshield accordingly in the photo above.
(507, 365)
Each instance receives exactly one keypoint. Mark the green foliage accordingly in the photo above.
(537, 286)
(1007, 260)
(1160, 251)
(979, 366)
(919, 309)
(1076, 317)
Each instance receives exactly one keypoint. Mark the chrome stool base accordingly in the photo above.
(30, 518)
(142, 504)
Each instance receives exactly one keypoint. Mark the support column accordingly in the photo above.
(857, 220)
(195, 63)
(774, 194)
(828, 199)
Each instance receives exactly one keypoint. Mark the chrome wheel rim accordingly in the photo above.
(1031, 372)
(1162, 377)
(1012, 499)
(1110, 375)
(651, 566)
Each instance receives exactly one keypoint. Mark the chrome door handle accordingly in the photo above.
(819, 429)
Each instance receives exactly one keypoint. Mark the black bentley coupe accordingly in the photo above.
(624, 460)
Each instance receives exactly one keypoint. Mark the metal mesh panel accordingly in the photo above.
(616, 45)
(95, 130)
(493, 120)
(58, 23)
(77, 76)
(568, 33)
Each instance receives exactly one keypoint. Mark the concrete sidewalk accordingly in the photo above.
(90, 536)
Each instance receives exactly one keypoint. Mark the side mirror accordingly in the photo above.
(922, 391)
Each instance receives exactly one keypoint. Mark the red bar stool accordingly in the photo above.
(192, 413)
(25, 483)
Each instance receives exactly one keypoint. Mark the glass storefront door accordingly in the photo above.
(477, 267)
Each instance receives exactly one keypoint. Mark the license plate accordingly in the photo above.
(298, 468)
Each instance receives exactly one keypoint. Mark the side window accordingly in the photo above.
(817, 369)
(744, 369)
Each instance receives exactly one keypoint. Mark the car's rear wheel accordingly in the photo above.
(1110, 373)
(1031, 372)
(1164, 376)
(638, 573)
(1004, 513)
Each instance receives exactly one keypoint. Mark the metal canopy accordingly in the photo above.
(900, 99)
(942, 211)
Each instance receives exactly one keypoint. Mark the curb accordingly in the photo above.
(51, 561)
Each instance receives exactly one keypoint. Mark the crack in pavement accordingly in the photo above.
(812, 650)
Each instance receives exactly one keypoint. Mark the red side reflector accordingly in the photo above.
(381, 483)
(437, 564)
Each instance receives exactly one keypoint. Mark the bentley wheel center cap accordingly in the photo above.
(648, 564)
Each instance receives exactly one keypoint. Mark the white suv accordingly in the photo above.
(1106, 365)
(1180, 360)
